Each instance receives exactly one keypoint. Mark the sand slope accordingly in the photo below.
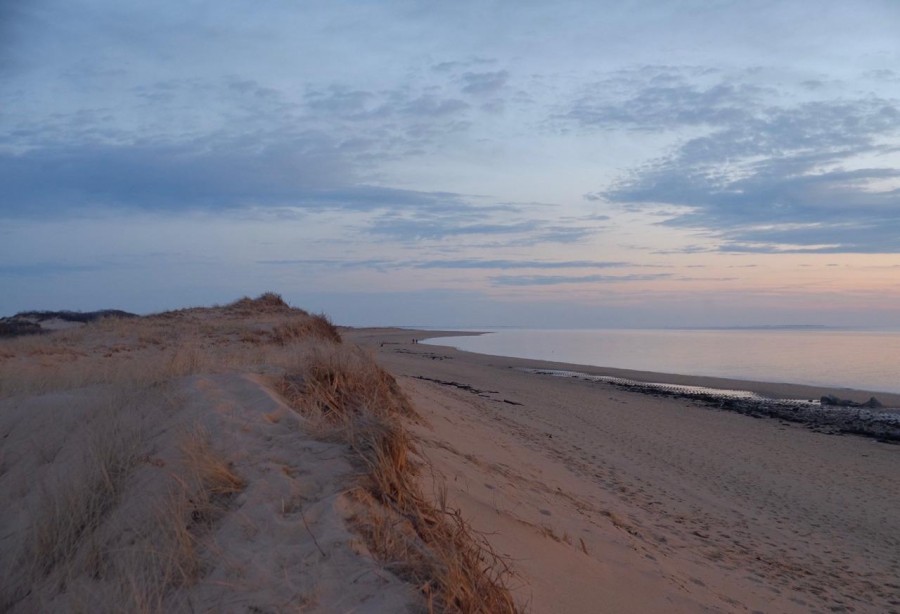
(280, 543)
(229, 459)
(613, 501)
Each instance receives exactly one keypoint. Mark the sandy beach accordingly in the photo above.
(609, 500)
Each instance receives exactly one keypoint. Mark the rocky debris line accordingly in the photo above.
(829, 415)
(831, 400)
(430, 355)
(34, 322)
(482, 393)
(856, 418)
(465, 387)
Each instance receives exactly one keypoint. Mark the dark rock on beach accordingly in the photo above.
(840, 417)
(833, 401)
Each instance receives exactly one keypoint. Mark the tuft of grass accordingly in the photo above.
(264, 303)
(347, 397)
(341, 386)
(73, 508)
(306, 327)
(213, 481)
(167, 553)
(82, 551)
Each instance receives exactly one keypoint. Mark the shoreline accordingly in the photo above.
(599, 493)
(770, 390)
(669, 374)
(797, 403)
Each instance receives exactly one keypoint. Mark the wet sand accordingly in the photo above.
(605, 499)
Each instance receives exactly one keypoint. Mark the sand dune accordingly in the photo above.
(233, 459)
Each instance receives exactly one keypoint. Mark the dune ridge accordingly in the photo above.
(235, 458)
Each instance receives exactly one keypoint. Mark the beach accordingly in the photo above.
(254, 457)
(606, 499)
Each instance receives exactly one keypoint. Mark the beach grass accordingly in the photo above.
(349, 398)
(118, 485)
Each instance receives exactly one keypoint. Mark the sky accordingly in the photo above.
(640, 163)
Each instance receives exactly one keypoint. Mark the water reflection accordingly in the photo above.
(852, 359)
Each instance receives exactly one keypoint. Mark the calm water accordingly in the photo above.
(841, 359)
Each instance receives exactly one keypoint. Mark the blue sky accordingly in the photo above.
(640, 163)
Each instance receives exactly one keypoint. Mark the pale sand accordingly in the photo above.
(608, 500)
(284, 545)
(147, 465)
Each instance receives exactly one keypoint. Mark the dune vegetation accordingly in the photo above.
(232, 458)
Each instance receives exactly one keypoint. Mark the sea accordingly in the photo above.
(863, 360)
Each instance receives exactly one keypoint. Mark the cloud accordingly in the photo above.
(766, 175)
(857, 236)
(404, 102)
(456, 65)
(483, 83)
(331, 264)
(221, 142)
(687, 249)
(164, 175)
(306, 172)
(433, 106)
(477, 221)
(342, 101)
(45, 269)
(660, 97)
(516, 264)
(457, 264)
(883, 74)
(454, 225)
(555, 233)
(12, 15)
(552, 280)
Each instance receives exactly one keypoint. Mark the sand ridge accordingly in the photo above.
(282, 542)
(231, 459)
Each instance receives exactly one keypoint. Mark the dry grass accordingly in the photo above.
(169, 552)
(316, 326)
(84, 549)
(210, 478)
(82, 552)
(349, 398)
(250, 334)
(73, 503)
(339, 385)
(268, 302)
(76, 504)
(144, 575)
